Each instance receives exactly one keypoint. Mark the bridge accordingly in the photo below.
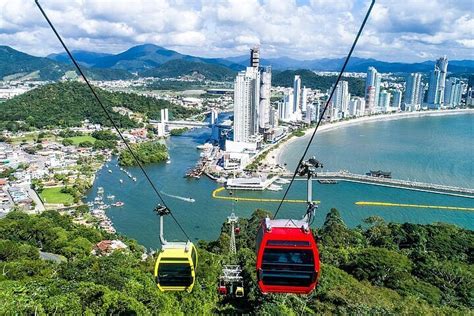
(395, 183)
(190, 124)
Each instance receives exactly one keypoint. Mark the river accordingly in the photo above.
(436, 149)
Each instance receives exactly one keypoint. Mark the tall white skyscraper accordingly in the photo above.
(372, 82)
(304, 99)
(285, 107)
(246, 102)
(265, 94)
(413, 92)
(252, 92)
(397, 99)
(437, 83)
(384, 102)
(453, 92)
(340, 99)
(357, 106)
(297, 94)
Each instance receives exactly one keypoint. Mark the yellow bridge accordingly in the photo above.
(248, 199)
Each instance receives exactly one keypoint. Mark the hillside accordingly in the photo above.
(179, 68)
(15, 64)
(68, 103)
(383, 269)
(142, 58)
(314, 81)
(356, 64)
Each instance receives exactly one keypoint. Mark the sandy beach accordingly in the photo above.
(273, 157)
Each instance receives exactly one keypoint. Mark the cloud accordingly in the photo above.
(411, 30)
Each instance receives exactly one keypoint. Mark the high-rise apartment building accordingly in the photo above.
(413, 90)
(453, 92)
(397, 99)
(384, 101)
(372, 82)
(252, 92)
(437, 83)
(246, 102)
(297, 94)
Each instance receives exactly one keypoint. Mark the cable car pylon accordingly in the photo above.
(230, 281)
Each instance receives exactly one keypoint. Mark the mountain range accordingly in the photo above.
(156, 61)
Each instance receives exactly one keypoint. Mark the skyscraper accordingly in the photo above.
(373, 80)
(413, 91)
(437, 83)
(297, 94)
(453, 92)
(285, 108)
(265, 94)
(246, 101)
(252, 100)
(397, 99)
(340, 99)
(384, 102)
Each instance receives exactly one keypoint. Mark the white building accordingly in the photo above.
(246, 102)
(413, 93)
(397, 99)
(437, 83)
(372, 89)
(297, 94)
(453, 92)
(384, 101)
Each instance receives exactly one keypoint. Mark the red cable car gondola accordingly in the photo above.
(287, 253)
(287, 257)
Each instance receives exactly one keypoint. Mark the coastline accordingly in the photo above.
(273, 157)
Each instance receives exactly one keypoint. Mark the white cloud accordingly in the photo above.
(410, 30)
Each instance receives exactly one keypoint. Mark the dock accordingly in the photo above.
(394, 183)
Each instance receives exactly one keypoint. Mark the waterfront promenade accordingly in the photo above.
(395, 183)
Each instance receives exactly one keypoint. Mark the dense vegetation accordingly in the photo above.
(18, 64)
(66, 104)
(179, 68)
(383, 268)
(314, 81)
(147, 152)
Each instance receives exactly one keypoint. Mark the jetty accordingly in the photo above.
(395, 183)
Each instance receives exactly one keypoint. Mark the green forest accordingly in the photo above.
(314, 81)
(66, 104)
(379, 268)
(146, 152)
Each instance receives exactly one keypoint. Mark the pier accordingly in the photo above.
(395, 183)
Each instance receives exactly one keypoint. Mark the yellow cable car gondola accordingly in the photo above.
(175, 267)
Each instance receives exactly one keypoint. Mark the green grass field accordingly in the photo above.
(79, 139)
(55, 196)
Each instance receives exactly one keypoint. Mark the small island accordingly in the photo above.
(146, 152)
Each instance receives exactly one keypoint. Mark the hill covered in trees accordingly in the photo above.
(179, 68)
(314, 81)
(66, 104)
(16, 64)
(382, 268)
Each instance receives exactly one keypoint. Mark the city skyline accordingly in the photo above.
(412, 31)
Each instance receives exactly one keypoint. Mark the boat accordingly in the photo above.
(168, 161)
(106, 166)
(274, 187)
(118, 204)
(111, 197)
(121, 181)
(121, 169)
(327, 181)
(282, 181)
(100, 190)
(134, 179)
(204, 146)
(110, 171)
(221, 180)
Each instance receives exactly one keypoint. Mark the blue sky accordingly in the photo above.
(408, 31)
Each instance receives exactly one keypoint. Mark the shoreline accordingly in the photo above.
(273, 157)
